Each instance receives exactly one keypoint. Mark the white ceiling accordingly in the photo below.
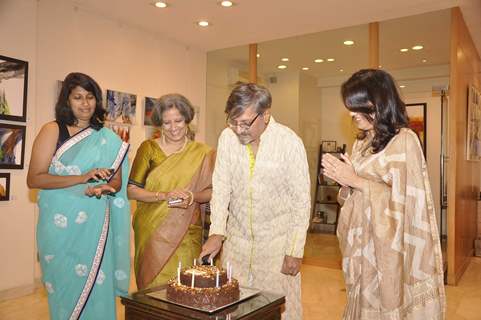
(427, 29)
(262, 20)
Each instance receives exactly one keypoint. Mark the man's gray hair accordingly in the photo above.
(245, 95)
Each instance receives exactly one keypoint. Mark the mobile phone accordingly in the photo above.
(92, 180)
(172, 202)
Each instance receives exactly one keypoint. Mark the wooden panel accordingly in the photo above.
(374, 45)
(463, 179)
(253, 62)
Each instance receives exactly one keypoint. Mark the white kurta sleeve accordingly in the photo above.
(221, 187)
(299, 197)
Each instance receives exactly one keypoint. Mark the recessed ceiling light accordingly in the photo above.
(404, 50)
(305, 68)
(341, 70)
(160, 4)
(330, 60)
(258, 55)
(424, 61)
(285, 59)
(418, 47)
(226, 4)
(379, 66)
(319, 60)
(348, 42)
(203, 23)
(282, 66)
(402, 86)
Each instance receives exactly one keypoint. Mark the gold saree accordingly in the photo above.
(389, 237)
(164, 236)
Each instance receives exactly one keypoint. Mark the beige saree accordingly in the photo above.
(164, 236)
(389, 238)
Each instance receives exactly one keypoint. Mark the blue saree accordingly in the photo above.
(84, 242)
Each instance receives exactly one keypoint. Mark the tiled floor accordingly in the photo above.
(323, 297)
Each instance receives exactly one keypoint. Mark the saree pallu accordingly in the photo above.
(83, 242)
(164, 236)
(389, 238)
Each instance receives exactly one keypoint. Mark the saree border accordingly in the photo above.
(124, 148)
(99, 253)
(71, 142)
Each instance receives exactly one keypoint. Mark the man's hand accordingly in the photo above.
(212, 246)
(291, 265)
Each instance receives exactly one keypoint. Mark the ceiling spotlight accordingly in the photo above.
(341, 70)
(258, 55)
(348, 42)
(203, 23)
(226, 4)
(285, 59)
(305, 68)
(424, 61)
(404, 50)
(379, 66)
(282, 66)
(160, 4)
(330, 60)
(418, 47)
(319, 60)
(402, 86)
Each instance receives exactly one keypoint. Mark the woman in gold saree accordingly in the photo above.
(172, 167)
(387, 227)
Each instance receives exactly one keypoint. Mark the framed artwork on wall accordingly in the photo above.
(13, 89)
(473, 141)
(121, 107)
(149, 105)
(123, 131)
(4, 186)
(328, 146)
(417, 121)
(12, 146)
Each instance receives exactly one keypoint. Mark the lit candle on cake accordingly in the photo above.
(193, 279)
(217, 279)
(211, 261)
(195, 262)
(178, 274)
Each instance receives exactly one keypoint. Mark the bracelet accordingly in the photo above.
(191, 198)
(157, 196)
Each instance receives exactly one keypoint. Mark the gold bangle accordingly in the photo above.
(191, 198)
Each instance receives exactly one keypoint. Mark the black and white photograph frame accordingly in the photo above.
(13, 89)
(4, 186)
(12, 146)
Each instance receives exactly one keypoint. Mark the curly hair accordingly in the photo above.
(63, 112)
(373, 93)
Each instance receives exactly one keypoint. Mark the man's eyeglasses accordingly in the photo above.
(243, 126)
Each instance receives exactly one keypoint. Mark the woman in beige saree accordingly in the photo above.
(168, 168)
(387, 226)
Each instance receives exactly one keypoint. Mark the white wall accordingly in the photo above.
(17, 33)
(310, 123)
(57, 37)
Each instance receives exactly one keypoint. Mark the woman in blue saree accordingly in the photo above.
(84, 223)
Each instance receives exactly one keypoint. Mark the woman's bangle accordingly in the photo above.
(157, 196)
(191, 198)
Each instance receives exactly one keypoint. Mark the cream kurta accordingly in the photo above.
(264, 216)
(389, 239)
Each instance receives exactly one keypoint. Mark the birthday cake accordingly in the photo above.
(203, 286)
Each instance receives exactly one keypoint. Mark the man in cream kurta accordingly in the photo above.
(260, 204)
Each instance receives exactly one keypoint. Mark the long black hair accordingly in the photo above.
(63, 112)
(373, 93)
